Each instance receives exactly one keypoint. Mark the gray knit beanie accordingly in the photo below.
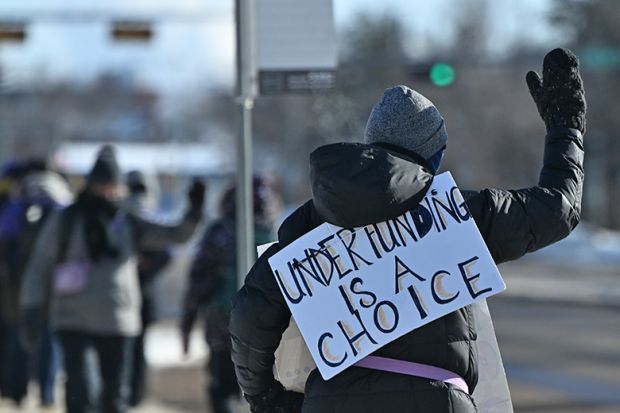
(106, 169)
(405, 118)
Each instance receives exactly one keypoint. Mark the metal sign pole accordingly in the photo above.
(246, 78)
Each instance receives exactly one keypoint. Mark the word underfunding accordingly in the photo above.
(321, 264)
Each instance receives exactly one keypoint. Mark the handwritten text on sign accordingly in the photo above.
(351, 291)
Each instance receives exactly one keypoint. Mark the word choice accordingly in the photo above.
(385, 313)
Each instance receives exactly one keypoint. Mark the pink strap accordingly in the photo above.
(413, 369)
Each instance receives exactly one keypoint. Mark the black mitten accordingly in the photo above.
(196, 194)
(276, 399)
(559, 95)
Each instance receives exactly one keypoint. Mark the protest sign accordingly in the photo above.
(293, 362)
(492, 394)
(351, 291)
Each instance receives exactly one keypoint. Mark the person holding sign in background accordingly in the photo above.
(355, 185)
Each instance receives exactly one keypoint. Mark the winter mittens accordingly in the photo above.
(196, 195)
(559, 95)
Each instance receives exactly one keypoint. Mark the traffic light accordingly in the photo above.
(131, 31)
(12, 31)
(600, 58)
(440, 74)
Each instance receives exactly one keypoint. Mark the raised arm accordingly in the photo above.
(152, 235)
(516, 222)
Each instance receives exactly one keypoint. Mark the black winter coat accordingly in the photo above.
(387, 183)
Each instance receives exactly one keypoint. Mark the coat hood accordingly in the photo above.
(356, 184)
(47, 186)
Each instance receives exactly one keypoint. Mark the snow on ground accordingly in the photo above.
(587, 245)
(164, 349)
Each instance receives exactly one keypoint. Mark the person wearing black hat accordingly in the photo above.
(356, 184)
(83, 275)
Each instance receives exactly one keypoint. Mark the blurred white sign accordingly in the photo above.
(351, 291)
(295, 45)
(295, 34)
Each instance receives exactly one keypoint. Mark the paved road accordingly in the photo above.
(560, 357)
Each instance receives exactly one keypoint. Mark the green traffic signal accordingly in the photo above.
(600, 57)
(442, 74)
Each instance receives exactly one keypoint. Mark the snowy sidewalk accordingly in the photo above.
(176, 382)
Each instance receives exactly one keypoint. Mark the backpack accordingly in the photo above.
(21, 224)
(29, 222)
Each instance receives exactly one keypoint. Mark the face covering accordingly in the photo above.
(435, 160)
(98, 213)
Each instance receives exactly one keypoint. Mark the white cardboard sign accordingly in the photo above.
(351, 291)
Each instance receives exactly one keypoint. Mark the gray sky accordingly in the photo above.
(185, 54)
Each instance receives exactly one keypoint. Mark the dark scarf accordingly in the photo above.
(97, 213)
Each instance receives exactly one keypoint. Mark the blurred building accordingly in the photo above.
(171, 165)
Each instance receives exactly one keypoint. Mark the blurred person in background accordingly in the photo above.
(83, 275)
(363, 183)
(151, 262)
(38, 192)
(7, 183)
(213, 283)
(7, 179)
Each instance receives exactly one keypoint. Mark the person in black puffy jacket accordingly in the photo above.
(359, 184)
